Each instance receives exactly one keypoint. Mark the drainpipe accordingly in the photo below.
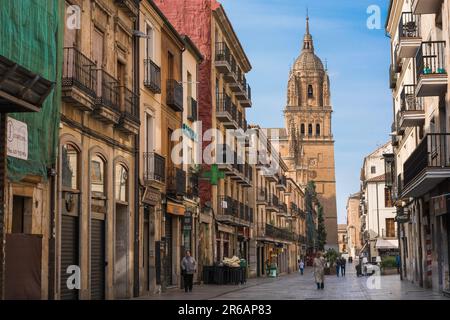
(136, 82)
(52, 233)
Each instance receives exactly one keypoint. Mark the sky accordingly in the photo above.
(271, 33)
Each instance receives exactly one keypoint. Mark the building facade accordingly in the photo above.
(419, 167)
(342, 238)
(354, 242)
(378, 227)
(306, 144)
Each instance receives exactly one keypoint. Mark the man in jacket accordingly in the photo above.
(189, 267)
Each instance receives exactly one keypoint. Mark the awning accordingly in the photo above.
(386, 244)
(175, 208)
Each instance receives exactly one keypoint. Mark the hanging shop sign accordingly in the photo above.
(151, 197)
(440, 205)
(17, 139)
(187, 225)
(175, 209)
(188, 132)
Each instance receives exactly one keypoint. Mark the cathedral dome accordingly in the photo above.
(308, 61)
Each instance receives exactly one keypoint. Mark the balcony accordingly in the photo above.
(392, 78)
(427, 166)
(246, 102)
(430, 67)
(409, 35)
(129, 122)
(232, 212)
(192, 109)
(226, 111)
(107, 107)
(247, 176)
(282, 209)
(192, 187)
(176, 182)
(270, 174)
(235, 86)
(174, 97)
(411, 110)
(281, 184)
(262, 196)
(223, 58)
(79, 80)
(243, 94)
(131, 7)
(394, 136)
(231, 76)
(154, 168)
(278, 233)
(152, 76)
(426, 6)
(225, 159)
(273, 204)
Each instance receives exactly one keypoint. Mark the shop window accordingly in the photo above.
(69, 164)
(121, 183)
(97, 176)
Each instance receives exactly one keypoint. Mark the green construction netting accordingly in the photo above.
(31, 34)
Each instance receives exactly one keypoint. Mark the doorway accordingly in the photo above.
(121, 252)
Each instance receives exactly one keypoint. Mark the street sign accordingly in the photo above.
(17, 139)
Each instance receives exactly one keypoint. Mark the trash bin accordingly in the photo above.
(273, 271)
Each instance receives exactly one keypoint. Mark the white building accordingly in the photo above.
(378, 225)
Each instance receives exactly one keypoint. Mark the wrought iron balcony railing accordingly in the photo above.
(174, 97)
(409, 26)
(192, 109)
(430, 58)
(130, 103)
(176, 181)
(108, 91)
(409, 101)
(154, 167)
(79, 70)
(152, 76)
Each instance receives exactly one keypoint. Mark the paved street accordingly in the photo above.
(296, 287)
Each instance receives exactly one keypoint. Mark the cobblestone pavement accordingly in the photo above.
(297, 287)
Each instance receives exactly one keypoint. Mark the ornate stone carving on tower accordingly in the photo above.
(310, 139)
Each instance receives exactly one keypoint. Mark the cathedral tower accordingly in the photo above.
(308, 145)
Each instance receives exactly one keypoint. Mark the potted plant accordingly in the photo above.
(330, 256)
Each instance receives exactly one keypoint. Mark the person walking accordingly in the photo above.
(338, 266)
(301, 266)
(398, 262)
(189, 267)
(319, 265)
(343, 262)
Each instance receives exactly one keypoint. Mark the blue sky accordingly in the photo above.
(271, 32)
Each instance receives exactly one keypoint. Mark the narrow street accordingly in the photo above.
(297, 287)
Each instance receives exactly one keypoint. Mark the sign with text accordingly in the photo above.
(17, 139)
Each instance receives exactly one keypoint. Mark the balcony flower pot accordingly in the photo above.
(426, 70)
(441, 70)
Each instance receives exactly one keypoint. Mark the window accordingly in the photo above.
(310, 92)
(170, 71)
(387, 198)
(317, 129)
(97, 176)
(302, 129)
(149, 42)
(390, 228)
(149, 133)
(373, 169)
(121, 183)
(310, 130)
(98, 52)
(69, 164)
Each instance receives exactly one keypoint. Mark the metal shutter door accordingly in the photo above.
(69, 253)
(97, 259)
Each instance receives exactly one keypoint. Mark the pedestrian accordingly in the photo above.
(188, 267)
(319, 265)
(338, 266)
(343, 262)
(398, 262)
(267, 267)
(301, 266)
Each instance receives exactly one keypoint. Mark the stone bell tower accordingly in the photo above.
(310, 153)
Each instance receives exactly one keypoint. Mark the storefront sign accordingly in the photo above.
(175, 209)
(151, 197)
(187, 225)
(440, 204)
(17, 139)
(188, 132)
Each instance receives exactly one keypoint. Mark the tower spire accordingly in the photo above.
(308, 44)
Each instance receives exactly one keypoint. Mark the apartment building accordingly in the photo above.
(354, 243)
(419, 167)
(378, 227)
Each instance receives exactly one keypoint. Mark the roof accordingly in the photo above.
(380, 178)
(192, 48)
